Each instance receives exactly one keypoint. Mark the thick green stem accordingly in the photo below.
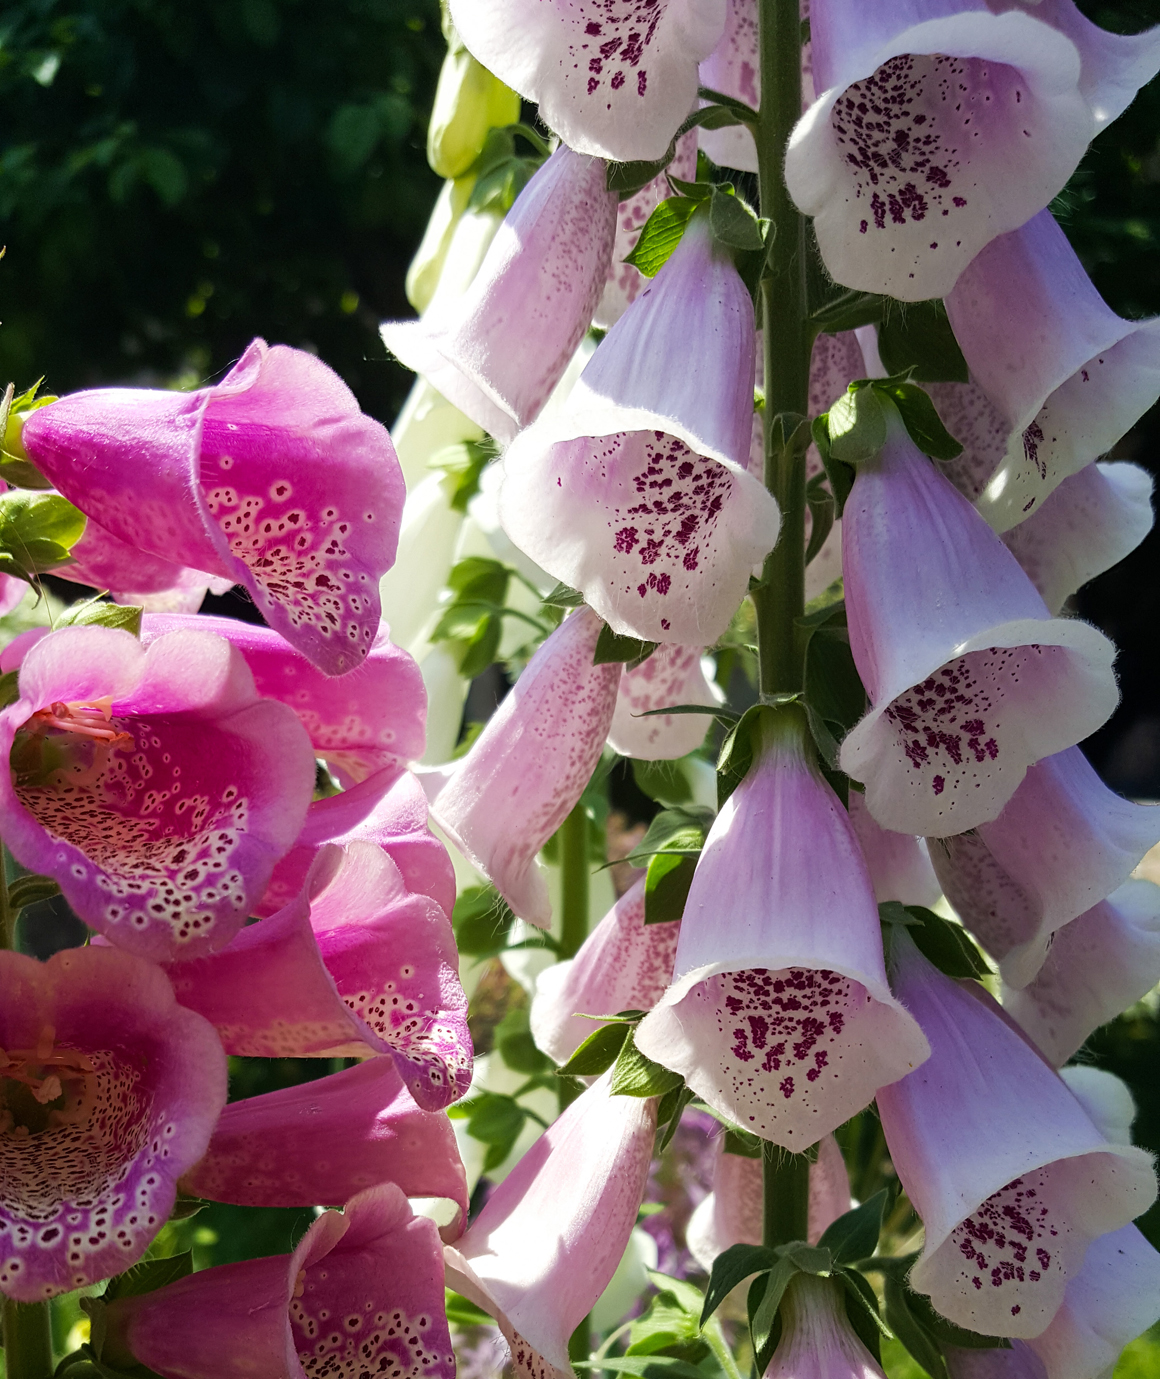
(574, 865)
(8, 916)
(786, 1180)
(27, 1340)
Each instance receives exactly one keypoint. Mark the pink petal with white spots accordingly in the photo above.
(929, 139)
(899, 864)
(779, 1015)
(734, 69)
(671, 675)
(970, 681)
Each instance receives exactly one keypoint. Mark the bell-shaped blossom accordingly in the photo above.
(1020, 1362)
(362, 1294)
(937, 127)
(354, 966)
(271, 478)
(1062, 843)
(548, 1241)
(970, 680)
(530, 764)
(978, 426)
(1096, 967)
(734, 69)
(326, 1140)
(1067, 374)
(615, 82)
(779, 1014)
(428, 540)
(1005, 1229)
(672, 675)
(370, 720)
(816, 1336)
(733, 1213)
(152, 783)
(108, 1093)
(498, 352)
(1082, 528)
(899, 863)
(636, 491)
(623, 964)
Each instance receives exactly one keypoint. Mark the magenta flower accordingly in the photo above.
(672, 675)
(816, 1337)
(899, 863)
(152, 783)
(1011, 1178)
(734, 69)
(1062, 843)
(970, 681)
(272, 479)
(636, 490)
(362, 1294)
(548, 1241)
(528, 767)
(615, 83)
(356, 965)
(779, 1015)
(498, 351)
(110, 1091)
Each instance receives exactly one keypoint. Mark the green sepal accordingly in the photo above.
(731, 1267)
(628, 178)
(663, 781)
(862, 1311)
(662, 232)
(848, 311)
(736, 754)
(854, 1235)
(148, 1276)
(37, 531)
(95, 612)
(734, 223)
(670, 1108)
(857, 425)
(840, 475)
(562, 596)
(482, 921)
(666, 887)
(947, 946)
(763, 1304)
(918, 336)
(681, 830)
(920, 417)
(186, 1208)
(696, 191)
(635, 1075)
(918, 1341)
(744, 114)
(16, 468)
(612, 647)
(597, 1053)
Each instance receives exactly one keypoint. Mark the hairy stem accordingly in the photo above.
(27, 1340)
(786, 1182)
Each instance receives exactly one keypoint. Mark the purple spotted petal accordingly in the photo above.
(152, 783)
(899, 864)
(970, 681)
(1005, 1229)
(272, 478)
(734, 69)
(816, 1335)
(671, 675)
(905, 184)
(614, 80)
(117, 1088)
(779, 1015)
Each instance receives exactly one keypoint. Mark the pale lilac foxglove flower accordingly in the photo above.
(361, 1294)
(326, 1140)
(636, 491)
(899, 863)
(817, 1341)
(152, 783)
(1067, 374)
(1010, 1176)
(355, 966)
(1020, 1362)
(1062, 842)
(970, 681)
(779, 1015)
(110, 1090)
(548, 1241)
(978, 426)
(272, 478)
(734, 69)
(612, 82)
(672, 675)
(1096, 967)
(529, 766)
(498, 351)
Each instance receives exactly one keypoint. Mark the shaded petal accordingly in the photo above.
(816, 1335)
(671, 675)
(734, 69)
(899, 863)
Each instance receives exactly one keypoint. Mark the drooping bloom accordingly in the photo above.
(1005, 1229)
(152, 783)
(528, 767)
(816, 1337)
(779, 1015)
(272, 478)
(612, 81)
(672, 675)
(108, 1093)
(899, 863)
(1095, 968)
(498, 352)
(326, 1140)
(1020, 1362)
(970, 680)
(356, 965)
(734, 69)
(548, 1241)
(1062, 843)
(636, 491)
(362, 1294)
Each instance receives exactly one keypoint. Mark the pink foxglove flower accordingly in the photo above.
(530, 764)
(110, 1091)
(1096, 967)
(324, 1141)
(816, 1337)
(1067, 374)
(734, 69)
(356, 965)
(1061, 843)
(362, 1294)
(623, 964)
(272, 478)
(636, 491)
(548, 1241)
(498, 352)
(1020, 1362)
(152, 783)
(615, 83)
(1010, 1176)
(979, 427)
(899, 863)
(672, 675)
(970, 681)
(779, 1014)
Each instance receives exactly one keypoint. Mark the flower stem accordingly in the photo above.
(8, 916)
(574, 866)
(786, 1183)
(27, 1340)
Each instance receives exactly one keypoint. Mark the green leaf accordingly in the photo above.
(564, 597)
(9, 688)
(629, 178)
(481, 649)
(909, 1330)
(27, 890)
(645, 1366)
(612, 647)
(822, 506)
(948, 946)
(946, 1332)
(834, 696)
(495, 1118)
(37, 530)
(736, 754)
(921, 419)
(848, 311)
(733, 222)
(918, 336)
(764, 1303)
(481, 920)
(679, 830)
(862, 1311)
(635, 1075)
(669, 1111)
(480, 578)
(742, 1143)
(148, 1276)
(96, 612)
(597, 1053)
(745, 114)
(854, 1235)
(463, 464)
(517, 1048)
(186, 1208)
(839, 474)
(698, 191)
(667, 1321)
(857, 425)
(661, 234)
(731, 1267)
(666, 887)
(663, 781)
(464, 1312)
(497, 1152)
